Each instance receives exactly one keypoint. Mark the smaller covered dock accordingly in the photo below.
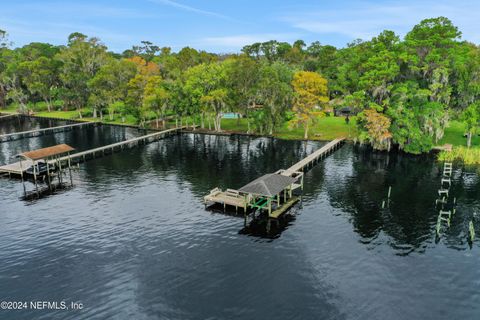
(269, 192)
(41, 165)
(272, 193)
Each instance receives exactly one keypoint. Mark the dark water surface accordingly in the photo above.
(20, 123)
(132, 239)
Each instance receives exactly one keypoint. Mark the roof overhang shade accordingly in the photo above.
(46, 152)
(268, 185)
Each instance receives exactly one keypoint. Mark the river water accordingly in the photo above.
(132, 239)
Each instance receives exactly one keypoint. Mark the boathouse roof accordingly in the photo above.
(47, 152)
(268, 185)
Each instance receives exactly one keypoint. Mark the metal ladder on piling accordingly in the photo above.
(445, 216)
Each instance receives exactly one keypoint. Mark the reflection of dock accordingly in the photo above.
(44, 131)
(272, 193)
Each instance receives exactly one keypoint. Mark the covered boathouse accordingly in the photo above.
(41, 164)
(272, 192)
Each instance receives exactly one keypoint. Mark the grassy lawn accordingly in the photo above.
(9, 109)
(58, 114)
(129, 120)
(454, 135)
(73, 115)
(326, 128)
(234, 125)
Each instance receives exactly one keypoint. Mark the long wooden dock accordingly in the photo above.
(3, 116)
(44, 131)
(18, 168)
(118, 146)
(313, 157)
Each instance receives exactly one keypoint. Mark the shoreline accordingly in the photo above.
(446, 152)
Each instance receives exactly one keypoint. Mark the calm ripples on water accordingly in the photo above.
(132, 239)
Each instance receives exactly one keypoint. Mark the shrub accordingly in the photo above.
(87, 113)
(466, 155)
(40, 106)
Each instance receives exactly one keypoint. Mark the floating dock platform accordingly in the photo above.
(284, 208)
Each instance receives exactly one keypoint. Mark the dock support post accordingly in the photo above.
(471, 231)
(35, 178)
(48, 177)
(23, 181)
(60, 178)
(70, 169)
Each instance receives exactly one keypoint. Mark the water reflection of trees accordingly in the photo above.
(20, 123)
(356, 179)
(208, 161)
(411, 215)
(201, 161)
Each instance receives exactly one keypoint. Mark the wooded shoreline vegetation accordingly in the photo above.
(405, 92)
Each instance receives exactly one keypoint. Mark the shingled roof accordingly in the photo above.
(268, 185)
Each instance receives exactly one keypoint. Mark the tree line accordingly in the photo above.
(405, 91)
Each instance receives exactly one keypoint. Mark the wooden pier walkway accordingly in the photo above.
(3, 116)
(18, 168)
(44, 131)
(301, 165)
(118, 146)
